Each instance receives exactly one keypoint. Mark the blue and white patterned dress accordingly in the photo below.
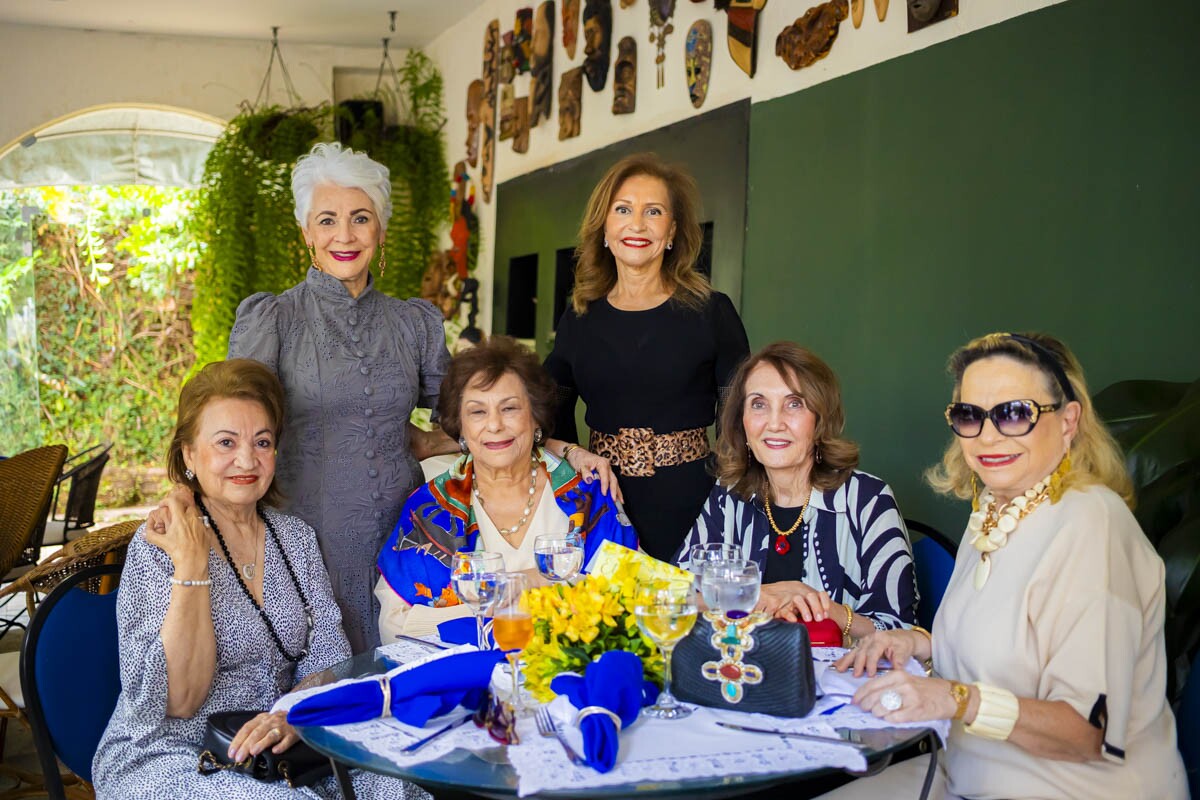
(147, 755)
(854, 539)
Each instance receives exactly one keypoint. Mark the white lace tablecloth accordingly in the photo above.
(651, 750)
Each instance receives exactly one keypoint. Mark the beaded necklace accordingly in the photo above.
(528, 503)
(782, 545)
(991, 524)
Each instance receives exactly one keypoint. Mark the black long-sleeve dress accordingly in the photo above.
(663, 368)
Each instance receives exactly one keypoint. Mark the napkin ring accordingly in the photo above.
(587, 711)
(385, 686)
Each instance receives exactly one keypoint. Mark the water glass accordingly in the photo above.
(474, 577)
(559, 556)
(731, 587)
(702, 554)
(665, 613)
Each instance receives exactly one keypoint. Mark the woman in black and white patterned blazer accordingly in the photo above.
(829, 540)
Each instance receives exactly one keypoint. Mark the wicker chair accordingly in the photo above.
(26, 482)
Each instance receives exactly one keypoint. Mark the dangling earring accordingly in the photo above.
(817, 453)
(1055, 490)
(462, 445)
(382, 260)
(974, 492)
(537, 435)
(187, 473)
(312, 256)
(606, 242)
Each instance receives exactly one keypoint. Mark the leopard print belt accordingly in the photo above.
(637, 451)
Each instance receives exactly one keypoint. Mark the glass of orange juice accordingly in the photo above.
(512, 626)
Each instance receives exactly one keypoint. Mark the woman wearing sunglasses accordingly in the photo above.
(1050, 635)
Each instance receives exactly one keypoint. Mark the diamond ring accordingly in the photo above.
(278, 734)
(891, 700)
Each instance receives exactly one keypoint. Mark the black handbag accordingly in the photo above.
(299, 765)
(754, 664)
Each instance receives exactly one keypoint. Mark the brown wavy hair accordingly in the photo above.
(596, 270)
(1095, 456)
(812, 379)
(487, 363)
(237, 378)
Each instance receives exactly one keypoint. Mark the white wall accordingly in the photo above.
(459, 52)
(47, 73)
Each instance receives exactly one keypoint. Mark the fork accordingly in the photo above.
(548, 727)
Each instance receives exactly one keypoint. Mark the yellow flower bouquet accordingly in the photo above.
(575, 625)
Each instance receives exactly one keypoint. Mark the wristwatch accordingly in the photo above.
(962, 695)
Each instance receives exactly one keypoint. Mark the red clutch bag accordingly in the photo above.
(825, 633)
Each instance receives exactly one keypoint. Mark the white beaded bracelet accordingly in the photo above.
(997, 714)
(177, 582)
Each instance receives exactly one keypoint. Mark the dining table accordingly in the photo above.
(490, 771)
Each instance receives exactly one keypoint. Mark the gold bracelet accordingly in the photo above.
(997, 713)
(849, 620)
(567, 451)
(927, 664)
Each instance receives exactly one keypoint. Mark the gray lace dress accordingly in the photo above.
(146, 755)
(353, 369)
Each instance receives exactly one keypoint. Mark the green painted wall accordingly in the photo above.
(1039, 174)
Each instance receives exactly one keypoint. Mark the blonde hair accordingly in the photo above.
(1095, 456)
(596, 271)
(811, 378)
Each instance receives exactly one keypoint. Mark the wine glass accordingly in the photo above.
(665, 613)
(559, 556)
(702, 554)
(512, 626)
(731, 587)
(474, 577)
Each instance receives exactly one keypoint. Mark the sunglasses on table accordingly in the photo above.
(1011, 418)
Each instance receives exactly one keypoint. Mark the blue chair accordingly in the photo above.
(1187, 720)
(933, 560)
(70, 673)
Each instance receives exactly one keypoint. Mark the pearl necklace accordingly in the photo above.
(991, 525)
(528, 503)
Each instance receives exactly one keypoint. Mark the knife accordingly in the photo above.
(812, 737)
(419, 743)
(415, 640)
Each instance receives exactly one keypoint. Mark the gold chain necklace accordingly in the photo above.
(528, 503)
(782, 545)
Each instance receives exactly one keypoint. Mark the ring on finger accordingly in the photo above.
(891, 700)
(278, 734)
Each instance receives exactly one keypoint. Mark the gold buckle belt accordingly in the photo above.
(637, 451)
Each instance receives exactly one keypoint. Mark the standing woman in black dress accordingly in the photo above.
(648, 345)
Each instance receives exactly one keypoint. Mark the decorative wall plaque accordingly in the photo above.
(541, 87)
(697, 59)
(660, 28)
(474, 105)
(810, 38)
(487, 108)
(742, 34)
(508, 111)
(597, 42)
(570, 23)
(625, 77)
(922, 13)
(570, 100)
(520, 142)
(522, 41)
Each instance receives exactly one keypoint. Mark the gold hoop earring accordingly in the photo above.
(312, 256)
(382, 260)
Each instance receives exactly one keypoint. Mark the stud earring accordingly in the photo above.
(382, 260)
(187, 473)
(606, 242)
(537, 435)
(462, 445)
(312, 256)
(670, 245)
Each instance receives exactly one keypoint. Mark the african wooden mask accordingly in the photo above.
(520, 137)
(570, 26)
(926, 12)
(508, 111)
(597, 42)
(661, 27)
(810, 38)
(522, 41)
(542, 85)
(487, 108)
(742, 34)
(881, 8)
(508, 58)
(474, 104)
(697, 59)
(570, 103)
(625, 77)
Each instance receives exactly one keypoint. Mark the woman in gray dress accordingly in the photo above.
(354, 363)
(224, 610)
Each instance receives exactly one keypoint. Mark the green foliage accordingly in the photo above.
(112, 269)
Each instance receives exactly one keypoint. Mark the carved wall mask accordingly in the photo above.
(521, 125)
(570, 23)
(697, 60)
(810, 38)
(660, 28)
(487, 108)
(597, 41)
(474, 103)
(625, 77)
(922, 13)
(542, 85)
(508, 58)
(508, 111)
(522, 41)
(742, 36)
(570, 103)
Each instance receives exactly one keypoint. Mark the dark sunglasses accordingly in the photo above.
(1011, 418)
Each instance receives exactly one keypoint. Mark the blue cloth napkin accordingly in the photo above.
(460, 631)
(418, 695)
(614, 681)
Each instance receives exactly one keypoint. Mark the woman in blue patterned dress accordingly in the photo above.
(226, 609)
(828, 538)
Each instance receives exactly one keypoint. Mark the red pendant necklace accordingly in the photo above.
(782, 545)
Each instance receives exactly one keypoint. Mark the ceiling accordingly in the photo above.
(349, 22)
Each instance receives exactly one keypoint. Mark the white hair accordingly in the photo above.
(329, 162)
